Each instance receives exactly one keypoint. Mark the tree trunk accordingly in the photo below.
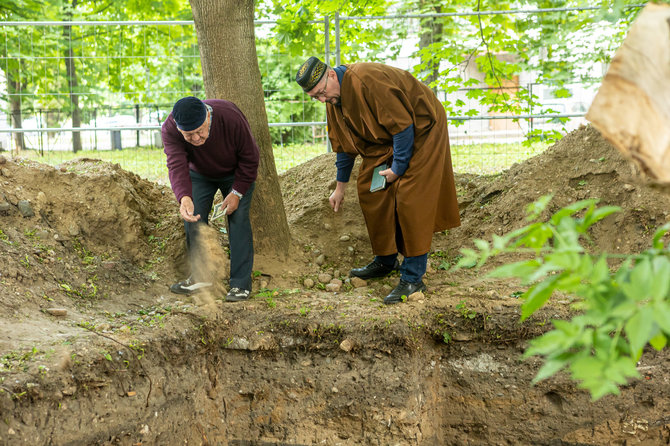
(431, 32)
(632, 106)
(14, 86)
(72, 83)
(226, 38)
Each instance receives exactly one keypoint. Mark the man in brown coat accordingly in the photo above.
(388, 117)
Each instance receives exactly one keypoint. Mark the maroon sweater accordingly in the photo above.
(230, 149)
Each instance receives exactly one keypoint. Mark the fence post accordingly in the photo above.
(137, 120)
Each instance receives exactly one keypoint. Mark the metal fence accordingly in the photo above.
(65, 88)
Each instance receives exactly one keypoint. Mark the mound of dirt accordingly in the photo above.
(88, 326)
(581, 165)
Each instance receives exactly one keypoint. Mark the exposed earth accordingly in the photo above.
(94, 349)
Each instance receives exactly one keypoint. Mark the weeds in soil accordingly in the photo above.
(4, 238)
(18, 360)
(621, 311)
(84, 254)
(464, 311)
(87, 291)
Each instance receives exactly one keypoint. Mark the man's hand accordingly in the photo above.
(337, 197)
(186, 210)
(390, 176)
(230, 203)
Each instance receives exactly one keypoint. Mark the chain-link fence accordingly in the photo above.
(71, 88)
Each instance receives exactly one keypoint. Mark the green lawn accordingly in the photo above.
(149, 163)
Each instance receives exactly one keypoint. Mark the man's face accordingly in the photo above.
(322, 92)
(198, 136)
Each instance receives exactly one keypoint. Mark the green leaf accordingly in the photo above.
(639, 284)
(550, 368)
(662, 316)
(640, 328)
(536, 208)
(659, 341)
(517, 269)
(546, 344)
(661, 284)
(658, 235)
(537, 296)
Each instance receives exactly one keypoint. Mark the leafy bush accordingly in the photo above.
(621, 310)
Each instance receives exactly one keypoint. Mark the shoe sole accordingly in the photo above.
(186, 290)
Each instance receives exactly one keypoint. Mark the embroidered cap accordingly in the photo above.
(310, 73)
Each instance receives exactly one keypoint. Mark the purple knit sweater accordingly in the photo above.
(229, 149)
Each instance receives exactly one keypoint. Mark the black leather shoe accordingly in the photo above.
(405, 289)
(373, 270)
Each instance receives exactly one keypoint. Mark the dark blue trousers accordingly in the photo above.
(239, 226)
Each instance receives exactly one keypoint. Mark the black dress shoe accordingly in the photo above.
(405, 289)
(373, 270)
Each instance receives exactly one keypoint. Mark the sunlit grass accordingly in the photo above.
(149, 163)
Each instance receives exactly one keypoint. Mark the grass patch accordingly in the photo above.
(149, 162)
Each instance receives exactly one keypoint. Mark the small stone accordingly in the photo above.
(308, 283)
(73, 230)
(324, 277)
(5, 173)
(320, 260)
(57, 311)
(415, 296)
(336, 282)
(327, 226)
(334, 390)
(347, 345)
(345, 238)
(25, 209)
(108, 265)
(357, 282)
(333, 287)
(5, 207)
(3, 160)
(11, 431)
(131, 393)
(628, 187)
(144, 430)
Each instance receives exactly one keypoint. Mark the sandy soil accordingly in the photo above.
(94, 349)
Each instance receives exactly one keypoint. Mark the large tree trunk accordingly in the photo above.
(632, 106)
(14, 86)
(431, 32)
(225, 30)
(72, 81)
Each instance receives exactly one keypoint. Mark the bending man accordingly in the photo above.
(209, 147)
(387, 116)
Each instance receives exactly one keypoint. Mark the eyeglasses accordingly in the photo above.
(321, 92)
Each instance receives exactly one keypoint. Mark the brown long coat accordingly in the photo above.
(378, 101)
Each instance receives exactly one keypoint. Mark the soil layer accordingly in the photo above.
(94, 349)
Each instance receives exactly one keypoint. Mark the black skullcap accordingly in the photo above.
(189, 113)
(310, 73)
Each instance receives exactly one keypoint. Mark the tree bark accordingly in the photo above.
(431, 32)
(14, 86)
(632, 106)
(72, 83)
(226, 38)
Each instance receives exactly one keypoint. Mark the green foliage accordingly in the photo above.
(620, 310)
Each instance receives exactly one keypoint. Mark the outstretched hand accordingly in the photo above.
(186, 209)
